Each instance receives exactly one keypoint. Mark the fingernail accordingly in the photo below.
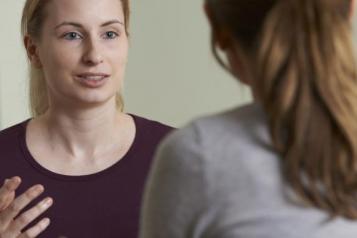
(14, 180)
(9, 184)
(46, 221)
(47, 202)
(38, 188)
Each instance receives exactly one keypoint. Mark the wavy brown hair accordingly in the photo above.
(33, 17)
(306, 79)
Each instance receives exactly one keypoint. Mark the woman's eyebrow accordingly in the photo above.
(112, 22)
(66, 23)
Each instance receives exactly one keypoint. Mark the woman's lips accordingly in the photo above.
(92, 80)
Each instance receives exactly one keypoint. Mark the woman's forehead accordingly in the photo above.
(84, 11)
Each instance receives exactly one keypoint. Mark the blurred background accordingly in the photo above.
(171, 76)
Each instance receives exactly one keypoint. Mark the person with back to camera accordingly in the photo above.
(80, 154)
(284, 166)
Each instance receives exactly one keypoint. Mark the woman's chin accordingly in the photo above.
(91, 101)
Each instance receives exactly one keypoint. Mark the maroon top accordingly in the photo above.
(100, 205)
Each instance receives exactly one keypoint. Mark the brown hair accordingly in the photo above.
(33, 16)
(306, 80)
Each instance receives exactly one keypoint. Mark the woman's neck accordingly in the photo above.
(84, 133)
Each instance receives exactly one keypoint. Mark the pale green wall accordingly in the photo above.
(172, 75)
(13, 102)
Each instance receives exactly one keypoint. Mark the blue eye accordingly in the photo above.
(110, 35)
(72, 36)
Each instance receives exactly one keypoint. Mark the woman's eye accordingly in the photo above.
(72, 36)
(110, 35)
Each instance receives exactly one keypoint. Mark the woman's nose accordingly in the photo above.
(92, 54)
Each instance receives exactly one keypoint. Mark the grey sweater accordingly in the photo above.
(220, 178)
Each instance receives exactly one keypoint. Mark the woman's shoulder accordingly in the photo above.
(150, 123)
(236, 140)
(243, 119)
(151, 128)
(11, 139)
(13, 131)
(245, 124)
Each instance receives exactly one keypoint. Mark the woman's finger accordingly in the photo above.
(20, 203)
(36, 229)
(7, 191)
(27, 217)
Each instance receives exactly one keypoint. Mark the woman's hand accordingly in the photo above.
(11, 221)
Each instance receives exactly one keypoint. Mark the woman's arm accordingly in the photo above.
(175, 194)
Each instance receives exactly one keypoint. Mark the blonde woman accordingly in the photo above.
(78, 167)
(284, 166)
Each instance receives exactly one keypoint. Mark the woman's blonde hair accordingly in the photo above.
(33, 17)
(306, 79)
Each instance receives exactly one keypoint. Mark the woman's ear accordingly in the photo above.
(352, 9)
(219, 33)
(32, 51)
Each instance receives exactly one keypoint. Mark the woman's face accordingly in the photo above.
(83, 51)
